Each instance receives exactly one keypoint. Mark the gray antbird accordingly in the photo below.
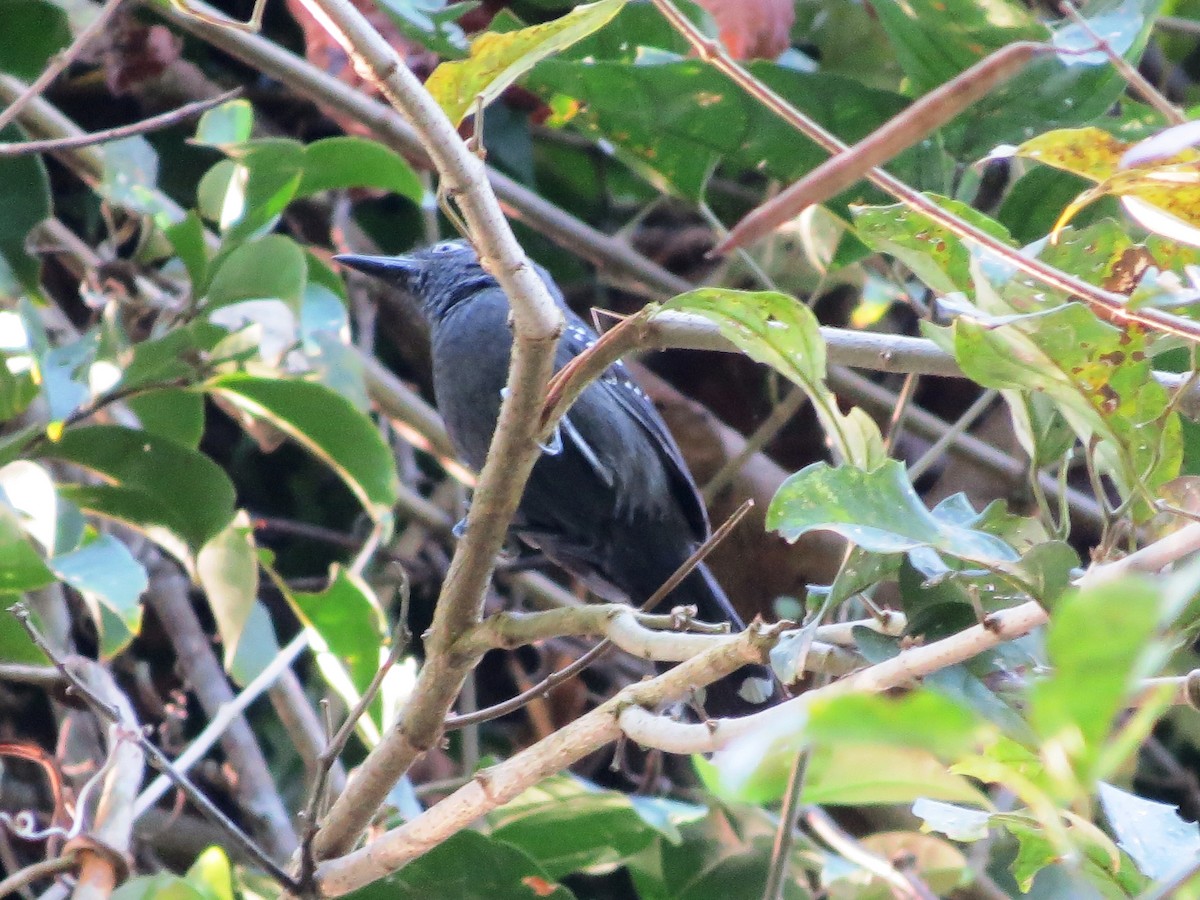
(610, 500)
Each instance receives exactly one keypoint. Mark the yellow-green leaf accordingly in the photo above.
(497, 60)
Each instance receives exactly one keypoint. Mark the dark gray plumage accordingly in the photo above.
(611, 500)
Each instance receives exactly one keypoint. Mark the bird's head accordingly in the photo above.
(440, 276)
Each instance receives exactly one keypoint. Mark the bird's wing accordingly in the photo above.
(618, 383)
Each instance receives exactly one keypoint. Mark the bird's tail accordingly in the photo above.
(749, 689)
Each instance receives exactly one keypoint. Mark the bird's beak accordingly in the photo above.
(399, 270)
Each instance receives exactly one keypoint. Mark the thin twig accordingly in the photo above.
(60, 62)
(47, 868)
(960, 426)
(228, 712)
(453, 723)
(783, 412)
(785, 833)
(154, 123)
(1107, 304)
(1132, 76)
(903, 886)
(158, 758)
(537, 322)
(401, 639)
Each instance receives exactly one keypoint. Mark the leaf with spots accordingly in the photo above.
(1156, 179)
(879, 511)
(1098, 375)
(939, 258)
(783, 333)
(499, 59)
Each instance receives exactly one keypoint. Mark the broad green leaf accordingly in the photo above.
(150, 481)
(879, 511)
(228, 124)
(348, 625)
(163, 886)
(257, 646)
(567, 824)
(227, 568)
(130, 178)
(187, 237)
(246, 192)
(1098, 374)
(110, 580)
(431, 23)
(934, 255)
(1153, 833)
(783, 333)
(21, 566)
(843, 774)
(924, 720)
(1102, 637)
(43, 29)
(24, 189)
(326, 424)
(271, 267)
(935, 41)
(15, 644)
(173, 413)
(495, 870)
(29, 490)
(497, 60)
(677, 121)
(959, 823)
(348, 161)
(212, 872)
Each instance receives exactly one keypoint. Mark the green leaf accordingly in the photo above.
(1098, 374)
(493, 870)
(783, 333)
(15, 644)
(110, 579)
(246, 192)
(1153, 833)
(845, 775)
(21, 566)
(566, 824)
(271, 267)
(959, 823)
(230, 123)
(152, 481)
(1101, 637)
(935, 41)
(497, 60)
(172, 413)
(43, 30)
(348, 161)
(326, 424)
(227, 568)
(24, 187)
(923, 719)
(676, 122)
(937, 257)
(878, 511)
(348, 625)
(187, 237)
(130, 178)
(212, 873)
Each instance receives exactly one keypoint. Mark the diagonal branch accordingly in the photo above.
(536, 325)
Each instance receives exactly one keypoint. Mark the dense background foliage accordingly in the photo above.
(226, 502)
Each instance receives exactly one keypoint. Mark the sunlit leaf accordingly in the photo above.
(497, 60)
(326, 424)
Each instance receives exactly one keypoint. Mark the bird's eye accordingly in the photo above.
(446, 247)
